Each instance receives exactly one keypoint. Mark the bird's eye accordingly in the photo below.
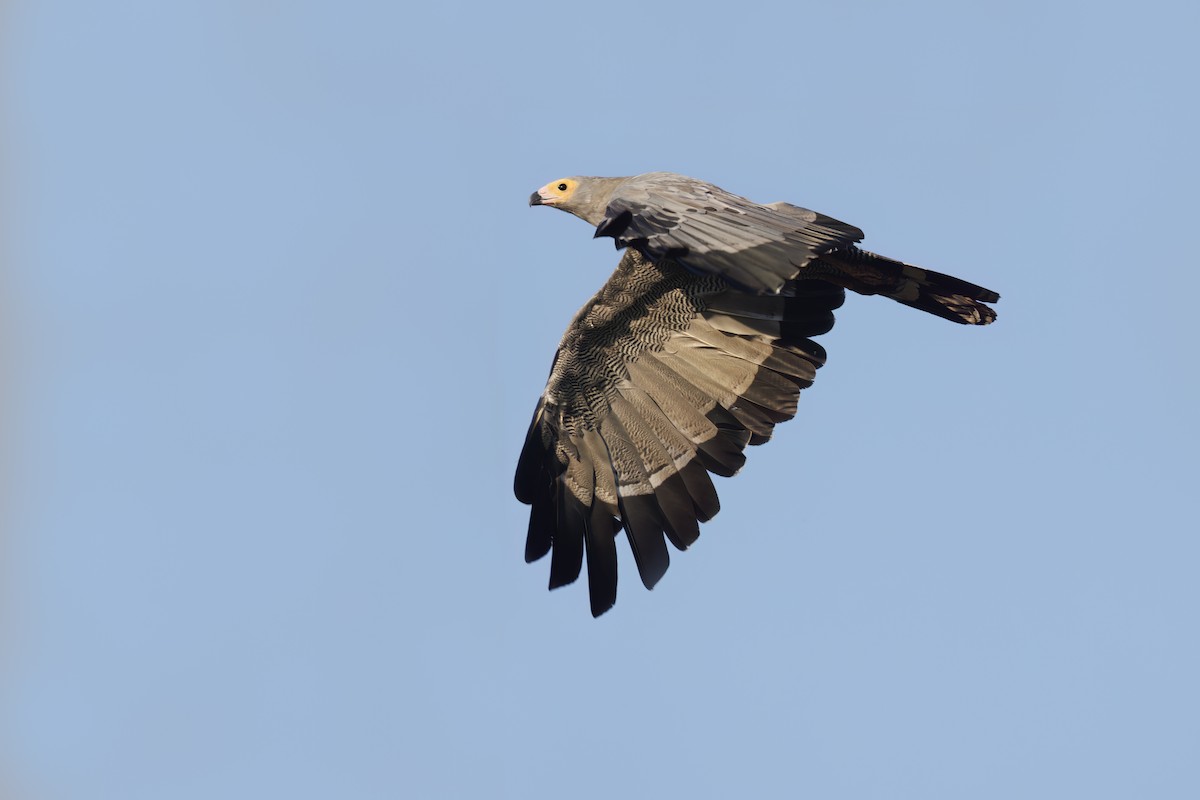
(562, 187)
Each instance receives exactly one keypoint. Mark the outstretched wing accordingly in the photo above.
(663, 377)
(711, 231)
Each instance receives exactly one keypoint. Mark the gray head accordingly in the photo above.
(584, 197)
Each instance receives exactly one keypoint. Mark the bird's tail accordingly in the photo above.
(945, 296)
(933, 292)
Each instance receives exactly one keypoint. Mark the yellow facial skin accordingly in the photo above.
(558, 191)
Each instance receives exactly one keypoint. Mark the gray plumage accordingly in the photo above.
(698, 345)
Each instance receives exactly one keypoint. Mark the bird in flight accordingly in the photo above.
(697, 346)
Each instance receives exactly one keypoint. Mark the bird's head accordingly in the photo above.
(586, 198)
(556, 193)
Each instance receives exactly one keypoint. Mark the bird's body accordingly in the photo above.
(697, 346)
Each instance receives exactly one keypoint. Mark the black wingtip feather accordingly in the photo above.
(678, 513)
(541, 529)
(601, 560)
(566, 557)
(700, 486)
(645, 531)
(531, 465)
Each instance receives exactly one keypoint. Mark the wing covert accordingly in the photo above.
(757, 248)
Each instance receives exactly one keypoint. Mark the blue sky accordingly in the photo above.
(278, 314)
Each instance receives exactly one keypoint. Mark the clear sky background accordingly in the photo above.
(278, 314)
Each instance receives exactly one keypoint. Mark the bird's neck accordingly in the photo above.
(591, 206)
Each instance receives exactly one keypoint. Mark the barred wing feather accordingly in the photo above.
(663, 377)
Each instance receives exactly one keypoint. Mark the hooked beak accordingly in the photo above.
(543, 197)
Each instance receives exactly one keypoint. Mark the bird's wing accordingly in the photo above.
(663, 377)
(757, 248)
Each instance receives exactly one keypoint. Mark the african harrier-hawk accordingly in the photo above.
(698, 345)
